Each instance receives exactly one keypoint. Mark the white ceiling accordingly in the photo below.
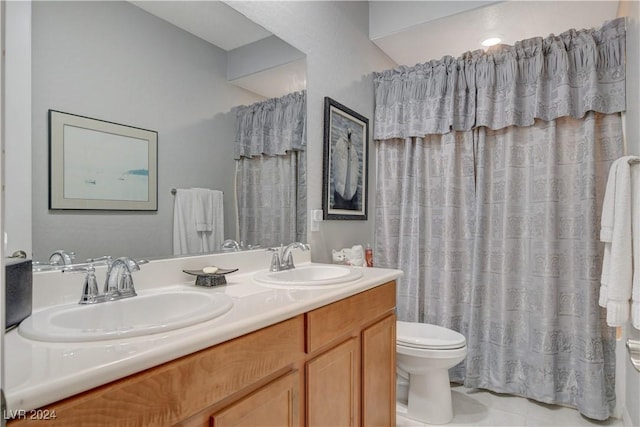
(278, 81)
(219, 24)
(409, 32)
(513, 20)
(212, 21)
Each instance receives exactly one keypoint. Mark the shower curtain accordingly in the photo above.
(271, 170)
(491, 177)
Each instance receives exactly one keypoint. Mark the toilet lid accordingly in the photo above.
(422, 335)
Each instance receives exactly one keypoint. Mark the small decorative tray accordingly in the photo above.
(210, 279)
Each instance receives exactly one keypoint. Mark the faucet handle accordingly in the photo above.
(126, 285)
(275, 259)
(90, 293)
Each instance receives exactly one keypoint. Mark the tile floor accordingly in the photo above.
(473, 407)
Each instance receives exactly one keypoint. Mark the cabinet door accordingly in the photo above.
(379, 373)
(333, 386)
(274, 405)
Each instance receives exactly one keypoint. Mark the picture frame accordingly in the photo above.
(100, 165)
(345, 163)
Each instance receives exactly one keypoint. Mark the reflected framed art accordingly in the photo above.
(100, 165)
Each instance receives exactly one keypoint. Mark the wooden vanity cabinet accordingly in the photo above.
(334, 366)
(350, 346)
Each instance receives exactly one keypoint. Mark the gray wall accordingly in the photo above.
(113, 61)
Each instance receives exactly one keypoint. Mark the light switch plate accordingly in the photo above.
(316, 219)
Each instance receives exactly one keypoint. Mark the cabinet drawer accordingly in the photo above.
(333, 321)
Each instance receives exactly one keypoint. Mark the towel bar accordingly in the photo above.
(174, 191)
(634, 352)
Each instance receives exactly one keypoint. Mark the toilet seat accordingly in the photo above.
(425, 336)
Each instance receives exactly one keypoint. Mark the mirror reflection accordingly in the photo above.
(128, 63)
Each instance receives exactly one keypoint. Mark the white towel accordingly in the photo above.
(198, 221)
(616, 232)
(203, 208)
(635, 232)
(606, 230)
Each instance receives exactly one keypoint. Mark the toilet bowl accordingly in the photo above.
(426, 352)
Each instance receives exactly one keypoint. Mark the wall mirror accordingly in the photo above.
(147, 65)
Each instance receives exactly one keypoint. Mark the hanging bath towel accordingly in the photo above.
(620, 232)
(198, 221)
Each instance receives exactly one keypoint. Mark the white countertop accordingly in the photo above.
(39, 373)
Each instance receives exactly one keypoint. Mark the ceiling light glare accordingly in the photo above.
(491, 41)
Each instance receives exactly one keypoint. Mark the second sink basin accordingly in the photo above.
(309, 275)
(144, 314)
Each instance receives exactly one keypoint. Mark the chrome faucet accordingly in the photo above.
(62, 257)
(230, 245)
(282, 259)
(119, 283)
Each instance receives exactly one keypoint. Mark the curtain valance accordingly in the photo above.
(564, 75)
(271, 127)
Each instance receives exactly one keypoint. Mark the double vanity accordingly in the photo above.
(314, 345)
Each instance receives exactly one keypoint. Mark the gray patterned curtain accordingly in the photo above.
(535, 328)
(496, 227)
(271, 183)
(558, 76)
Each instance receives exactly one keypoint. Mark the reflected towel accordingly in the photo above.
(635, 233)
(198, 221)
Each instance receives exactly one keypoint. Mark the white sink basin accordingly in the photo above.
(309, 275)
(147, 313)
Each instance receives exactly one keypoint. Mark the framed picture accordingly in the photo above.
(95, 164)
(346, 152)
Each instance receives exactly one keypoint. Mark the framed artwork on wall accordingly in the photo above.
(100, 165)
(345, 162)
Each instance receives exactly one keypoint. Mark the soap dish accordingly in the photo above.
(210, 279)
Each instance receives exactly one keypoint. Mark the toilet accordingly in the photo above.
(424, 354)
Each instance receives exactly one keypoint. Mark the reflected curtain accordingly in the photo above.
(271, 170)
(490, 184)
